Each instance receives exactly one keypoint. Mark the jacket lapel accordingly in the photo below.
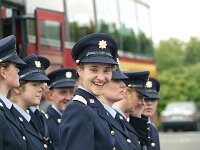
(129, 127)
(93, 102)
(9, 115)
(45, 127)
(52, 112)
(28, 127)
(117, 126)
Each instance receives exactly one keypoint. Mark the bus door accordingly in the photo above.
(50, 37)
(12, 21)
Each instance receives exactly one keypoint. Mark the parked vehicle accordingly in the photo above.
(180, 115)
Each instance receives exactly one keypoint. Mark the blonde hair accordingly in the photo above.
(129, 90)
(21, 88)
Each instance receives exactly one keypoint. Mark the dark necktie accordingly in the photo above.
(34, 126)
(39, 123)
(121, 120)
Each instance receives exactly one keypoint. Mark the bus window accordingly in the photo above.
(107, 18)
(146, 47)
(50, 33)
(81, 19)
(50, 36)
(128, 26)
(6, 20)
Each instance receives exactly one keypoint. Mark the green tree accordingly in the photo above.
(178, 65)
(192, 51)
(169, 54)
(146, 45)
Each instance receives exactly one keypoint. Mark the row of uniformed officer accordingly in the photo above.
(113, 93)
(96, 56)
(89, 122)
(22, 126)
(133, 101)
(85, 123)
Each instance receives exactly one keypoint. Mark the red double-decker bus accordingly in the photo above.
(51, 27)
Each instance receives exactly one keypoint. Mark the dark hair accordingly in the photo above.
(5, 64)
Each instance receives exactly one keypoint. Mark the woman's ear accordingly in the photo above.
(79, 70)
(3, 72)
(16, 91)
(49, 95)
(125, 93)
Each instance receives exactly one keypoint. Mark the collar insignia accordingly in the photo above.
(59, 120)
(21, 119)
(92, 101)
(46, 116)
(1, 105)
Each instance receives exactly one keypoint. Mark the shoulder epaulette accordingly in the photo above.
(80, 99)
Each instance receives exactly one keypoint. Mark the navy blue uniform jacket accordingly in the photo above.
(130, 131)
(53, 122)
(154, 138)
(11, 135)
(34, 138)
(123, 138)
(85, 125)
(42, 128)
(141, 127)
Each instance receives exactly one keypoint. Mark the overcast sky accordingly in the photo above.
(174, 18)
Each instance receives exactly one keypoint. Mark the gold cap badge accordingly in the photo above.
(102, 44)
(149, 84)
(38, 64)
(68, 74)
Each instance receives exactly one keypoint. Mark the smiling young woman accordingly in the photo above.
(85, 123)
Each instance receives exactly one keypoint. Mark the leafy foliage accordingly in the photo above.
(192, 54)
(169, 54)
(178, 66)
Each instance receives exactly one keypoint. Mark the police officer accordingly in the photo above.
(84, 123)
(61, 84)
(38, 118)
(29, 93)
(153, 88)
(132, 104)
(113, 93)
(11, 135)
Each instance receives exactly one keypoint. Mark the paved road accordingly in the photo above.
(180, 140)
